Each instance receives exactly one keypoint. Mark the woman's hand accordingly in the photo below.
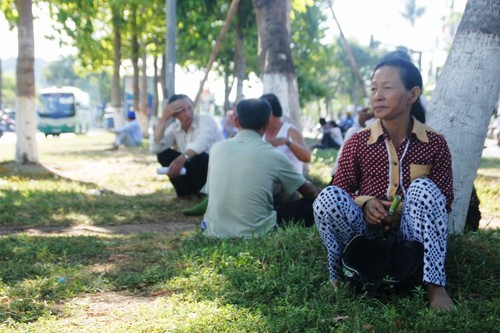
(376, 213)
(392, 222)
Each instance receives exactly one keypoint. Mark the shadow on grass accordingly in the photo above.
(32, 196)
(140, 154)
(280, 278)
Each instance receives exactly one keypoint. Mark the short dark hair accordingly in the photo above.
(253, 113)
(275, 104)
(399, 53)
(175, 97)
(411, 77)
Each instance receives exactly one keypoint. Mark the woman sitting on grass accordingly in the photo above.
(397, 155)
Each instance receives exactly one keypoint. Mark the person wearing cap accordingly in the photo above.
(241, 175)
(130, 134)
(182, 139)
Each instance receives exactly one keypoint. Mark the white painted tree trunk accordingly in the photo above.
(285, 87)
(26, 146)
(465, 97)
(275, 56)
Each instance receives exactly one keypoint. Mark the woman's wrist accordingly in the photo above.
(363, 207)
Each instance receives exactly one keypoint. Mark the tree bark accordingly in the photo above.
(240, 59)
(1, 86)
(156, 96)
(135, 64)
(143, 117)
(275, 56)
(163, 78)
(465, 97)
(26, 146)
(117, 58)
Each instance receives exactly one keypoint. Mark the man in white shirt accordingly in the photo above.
(185, 143)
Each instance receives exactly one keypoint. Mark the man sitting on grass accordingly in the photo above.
(129, 135)
(241, 175)
(185, 143)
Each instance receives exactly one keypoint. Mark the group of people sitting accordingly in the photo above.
(262, 190)
(253, 182)
(334, 135)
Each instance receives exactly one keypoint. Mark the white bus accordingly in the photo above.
(63, 110)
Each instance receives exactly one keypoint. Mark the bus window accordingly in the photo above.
(57, 105)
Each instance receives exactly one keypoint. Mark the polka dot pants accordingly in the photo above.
(338, 219)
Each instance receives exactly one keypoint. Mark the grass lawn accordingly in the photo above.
(182, 282)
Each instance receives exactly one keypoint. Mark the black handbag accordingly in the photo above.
(385, 263)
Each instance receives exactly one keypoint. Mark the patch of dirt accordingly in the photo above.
(489, 222)
(100, 312)
(79, 230)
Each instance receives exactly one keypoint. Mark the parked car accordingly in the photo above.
(8, 120)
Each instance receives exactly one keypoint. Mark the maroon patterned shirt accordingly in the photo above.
(371, 167)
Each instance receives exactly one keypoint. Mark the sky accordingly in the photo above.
(362, 18)
(359, 19)
(44, 49)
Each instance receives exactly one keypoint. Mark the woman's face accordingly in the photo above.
(389, 97)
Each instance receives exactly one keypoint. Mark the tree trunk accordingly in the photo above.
(163, 78)
(135, 65)
(240, 59)
(230, 13)
(115, 86)
(228, 86)
(143, 117)
(465, 97)
(275, 56)
(170, 60)
(156, 96)
(26, 147)
(1, 88)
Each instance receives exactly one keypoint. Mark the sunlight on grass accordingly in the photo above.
(277, 283)
(173, 314)
(185, 282)
(488, 191)
(73, 218)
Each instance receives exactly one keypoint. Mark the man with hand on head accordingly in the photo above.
(241, 177)
(185, 143)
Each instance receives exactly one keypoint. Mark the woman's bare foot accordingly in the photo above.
(335, 283)
(439, 298)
